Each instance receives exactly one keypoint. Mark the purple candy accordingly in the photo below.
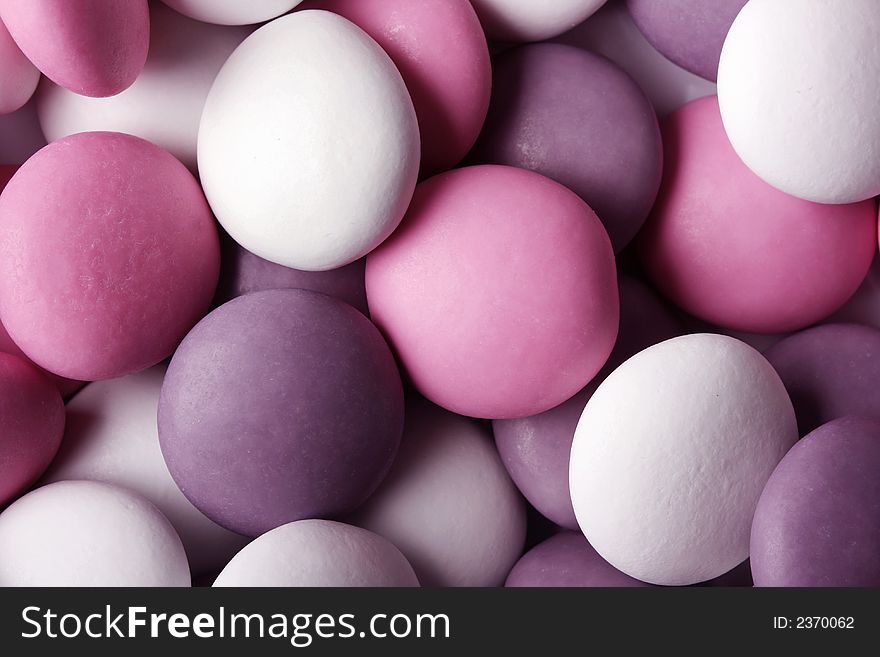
(579, 119)
(535, 450)
(242, 272)
(687, 32)
(830, 371)
(566, 559)
(278, 406)
(818, 520)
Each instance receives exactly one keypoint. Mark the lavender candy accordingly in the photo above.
(687, 32)
(579, 119)
(535, 449)
(242, 272)
(818, 520)
(278, 406)
(566, 559)
(830, 371)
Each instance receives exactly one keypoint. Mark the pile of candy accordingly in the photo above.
(366, 246)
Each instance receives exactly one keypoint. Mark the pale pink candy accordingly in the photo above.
(498, 292)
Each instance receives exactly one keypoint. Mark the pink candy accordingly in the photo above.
(498, 292)
(725, 246)
(108, 255)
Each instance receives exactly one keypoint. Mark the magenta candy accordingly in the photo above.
(242, 272)
(65, 386)
(91, 47)
(108, 255)
(731, 250)
(440, 50)
(31, 425)
(688, 32)
(498, 292)
(580, 120)
(830, 371)
(564, 560)
(818, 520)
(535, 449)
(278, 406)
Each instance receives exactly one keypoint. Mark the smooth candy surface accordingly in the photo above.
(279, 406)
(577, 118)
(111, 436)
(798, 93)
(610, 32)
(232, 12)
(535, 450)
(830, 372)
(108, 255)
(318, 553)
(18, 77)
(308, 145)
(671, 454)
(242, 272)
(541, 322)
(713, 217)
(818, 520)
(65, 386)
(20, 134)
(527, 20)
(688, 32)
(566, 559)
(92, 47)
(86, 533)
(32, 416)
(440, 50)
(164, 104)
(447, 503)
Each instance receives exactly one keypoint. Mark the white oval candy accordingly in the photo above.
(799, 90)
(86, 533)
(527, 20)
(448, 503)
(318, 553)
(18, 77)
(111, 436)
(232, 12)
(164, 104)
(308, 145)
(671, 454)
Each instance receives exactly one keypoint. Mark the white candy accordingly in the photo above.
(165, 102)
(309, 145)
(671, 454)
(111, 436)
(799, 89)
(18, 77)
(448, 502)
(318, 553)
(232, 12)
(86, 533)
(531, 20)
